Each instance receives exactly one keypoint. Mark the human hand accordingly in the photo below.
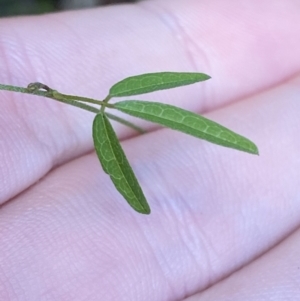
(66, 234)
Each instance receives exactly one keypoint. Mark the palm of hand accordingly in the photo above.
(67, 235)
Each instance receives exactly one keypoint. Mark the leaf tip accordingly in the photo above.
(144, 210)
(203, 76)
(147, 212)
(255, 150)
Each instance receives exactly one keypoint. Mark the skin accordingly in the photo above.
(224, 224)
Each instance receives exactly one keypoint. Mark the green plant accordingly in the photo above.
(107, 146)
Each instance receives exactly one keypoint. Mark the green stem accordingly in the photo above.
(34, 89)
(107, 99)
(49, 94)
(58, 95)
(125, 122)
(77, 104)
(19, 89)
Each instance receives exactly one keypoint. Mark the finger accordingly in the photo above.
(274, 276)
(85, 52)
(213, 211)
(237, 42)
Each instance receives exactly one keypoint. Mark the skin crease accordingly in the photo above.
(222, 221)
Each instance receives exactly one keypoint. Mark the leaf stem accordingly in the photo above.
(49, 94)
(73, 100)
(125, 122)
(58, 95)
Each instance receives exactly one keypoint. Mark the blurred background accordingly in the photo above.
(28, 7)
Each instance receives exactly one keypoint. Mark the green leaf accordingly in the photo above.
(115, 163)
(186, 122)
(150, 82)
(126, 123)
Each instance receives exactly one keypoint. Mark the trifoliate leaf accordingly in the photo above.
(150, 82)
(115, 163)
(186, 122)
